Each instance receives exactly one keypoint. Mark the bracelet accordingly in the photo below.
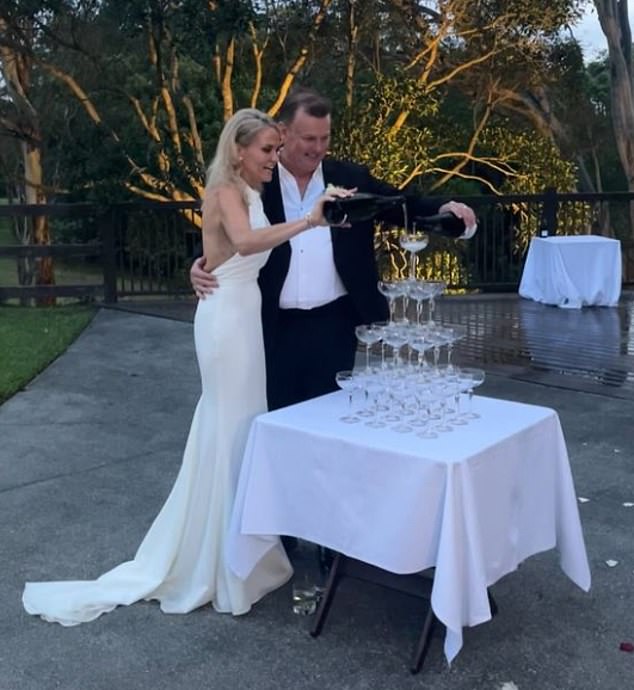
(309, 220)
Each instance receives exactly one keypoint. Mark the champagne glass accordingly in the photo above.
(475, 377)
(374, 387)
(404, 390)
(380, 327)
(368, 335)
(426, 400)
(455, 332)
(390, 290)
(419, 291)
(395, 336)
(346, 380)
(413, 242)
(463, 384)
(437, 287)
(361, 379)
(443, 392)
(420, 343)
(436, 337)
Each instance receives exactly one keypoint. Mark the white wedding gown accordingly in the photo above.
(182, 559)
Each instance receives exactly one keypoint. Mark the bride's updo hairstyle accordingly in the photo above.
(239, 130)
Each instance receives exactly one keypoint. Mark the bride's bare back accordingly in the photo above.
(217, 246)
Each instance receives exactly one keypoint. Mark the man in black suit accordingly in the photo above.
(320, 285)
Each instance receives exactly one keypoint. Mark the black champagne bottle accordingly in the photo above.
(359, 207)
(446, 224)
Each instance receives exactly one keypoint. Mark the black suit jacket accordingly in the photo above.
(353, 248)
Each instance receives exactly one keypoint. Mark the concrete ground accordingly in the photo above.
(89, 451)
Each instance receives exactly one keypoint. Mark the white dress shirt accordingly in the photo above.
(312, 278)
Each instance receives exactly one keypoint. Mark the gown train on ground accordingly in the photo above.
(182, 561)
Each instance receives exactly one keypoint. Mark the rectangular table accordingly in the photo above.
(473, 503)
(573, 271)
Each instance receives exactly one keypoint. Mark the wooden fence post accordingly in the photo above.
(107, 230)
(549, 210)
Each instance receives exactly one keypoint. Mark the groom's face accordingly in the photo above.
(305, 140)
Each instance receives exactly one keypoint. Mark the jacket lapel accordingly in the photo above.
(272, 199)
(280, 256)
(330, 172)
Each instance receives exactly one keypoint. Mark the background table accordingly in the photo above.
(573, 271)
(473, 503)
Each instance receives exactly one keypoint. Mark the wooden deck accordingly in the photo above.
(590, 349)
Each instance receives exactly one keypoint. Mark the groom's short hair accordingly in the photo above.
(306, 99)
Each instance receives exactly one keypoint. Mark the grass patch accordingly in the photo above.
(32, 337)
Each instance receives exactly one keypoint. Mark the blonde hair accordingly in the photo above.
(239, 130)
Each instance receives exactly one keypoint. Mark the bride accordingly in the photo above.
(181, 561)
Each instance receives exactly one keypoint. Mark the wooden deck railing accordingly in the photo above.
(139, 248)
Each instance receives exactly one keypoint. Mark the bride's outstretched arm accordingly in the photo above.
(234, 219)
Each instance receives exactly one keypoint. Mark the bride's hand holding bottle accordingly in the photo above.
(331, 193)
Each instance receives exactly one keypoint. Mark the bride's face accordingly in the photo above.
(258, 159)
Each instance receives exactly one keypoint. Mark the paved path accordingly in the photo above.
(89, 451)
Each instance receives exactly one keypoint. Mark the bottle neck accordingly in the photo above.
(446, 224)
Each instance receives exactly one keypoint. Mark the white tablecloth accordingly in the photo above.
(573, 271)
(474, 503)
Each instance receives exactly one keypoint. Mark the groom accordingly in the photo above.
(320, 285)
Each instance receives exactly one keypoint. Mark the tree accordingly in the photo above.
(20, 120)
(156, 103)
(613, 16)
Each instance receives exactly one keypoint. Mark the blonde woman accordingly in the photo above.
(181, 561)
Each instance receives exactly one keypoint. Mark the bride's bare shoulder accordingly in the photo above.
(224, 192)
(218, 193)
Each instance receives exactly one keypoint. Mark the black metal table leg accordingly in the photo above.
(423, 642)
(329, 592)
(492, 604)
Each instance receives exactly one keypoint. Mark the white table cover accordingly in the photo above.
(474, 503)
(573, 271)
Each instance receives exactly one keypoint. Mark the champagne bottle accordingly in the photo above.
(359, 207)
(446, 224)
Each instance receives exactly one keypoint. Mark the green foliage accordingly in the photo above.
(537, 165)
(103, 45)
(366, 135)
(397, 157)
(534, 161)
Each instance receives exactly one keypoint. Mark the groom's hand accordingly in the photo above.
(203, 283)
(466, 213)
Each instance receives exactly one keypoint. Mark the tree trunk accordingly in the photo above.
(40, 232)
(613, 16)
(351, 59)
(15, 67)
